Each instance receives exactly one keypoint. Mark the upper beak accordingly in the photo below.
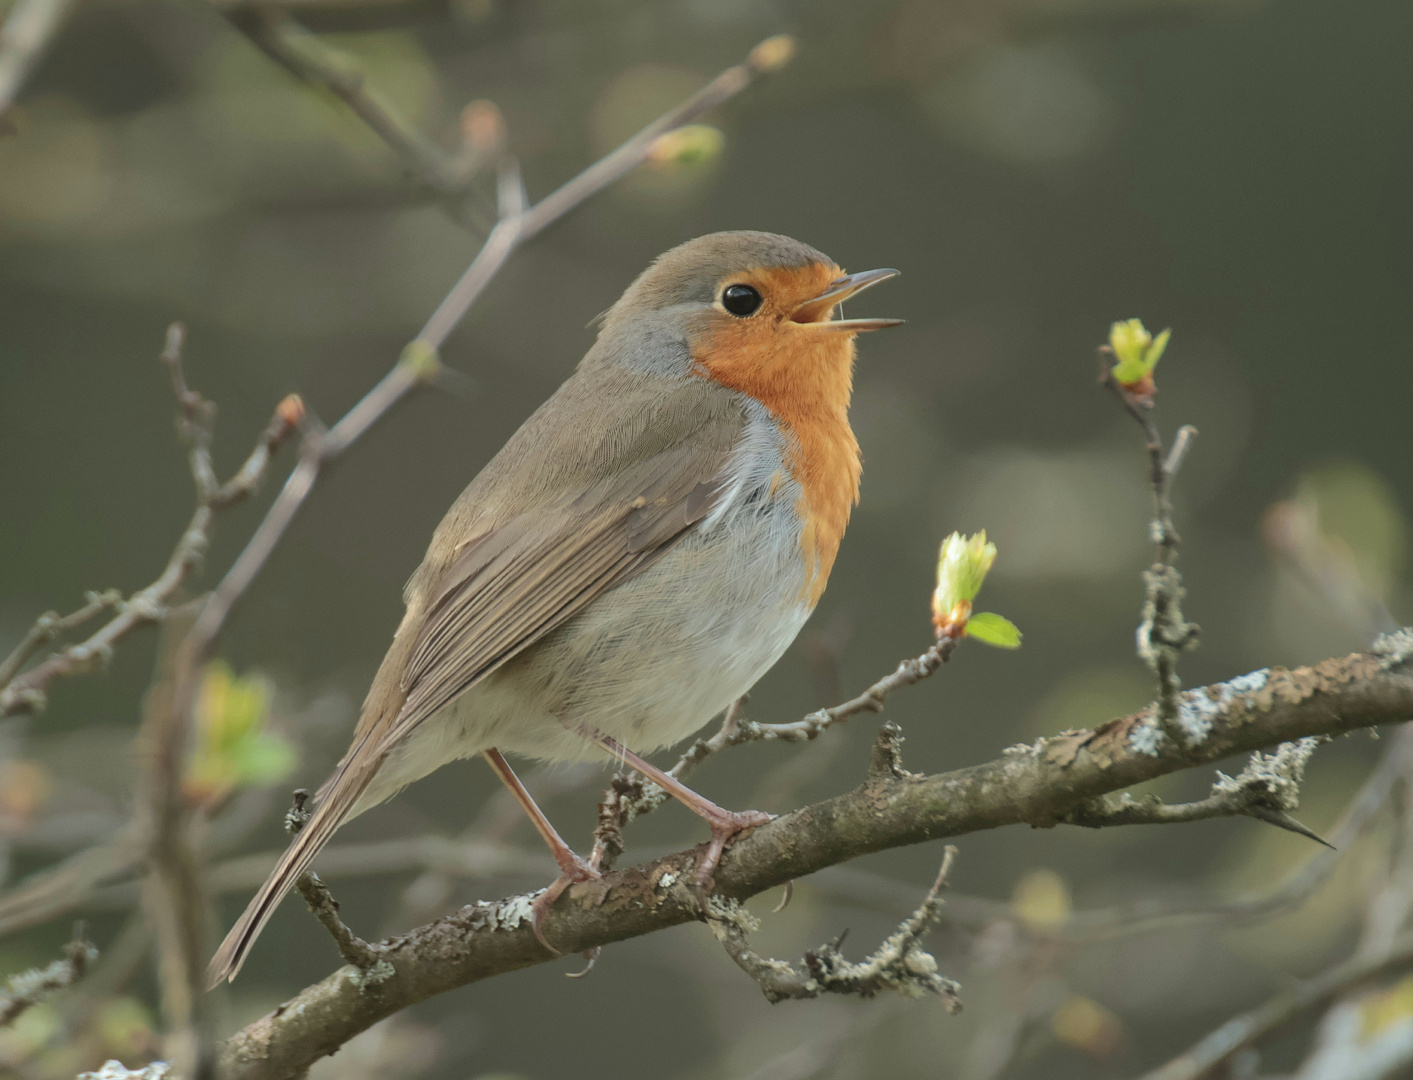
(816, 312)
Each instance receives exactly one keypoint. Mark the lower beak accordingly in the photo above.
(816, 313)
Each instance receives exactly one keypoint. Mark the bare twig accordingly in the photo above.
(321, 902)
(29, 988)
(1207, 1057)
(1163, 633)
(352, 948)
(28, 29)
(26, 691)
(308, 57)
(52, 625)
(900, 964)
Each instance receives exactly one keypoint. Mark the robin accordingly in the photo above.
(639, 553)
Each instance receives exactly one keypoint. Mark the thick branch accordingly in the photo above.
(1035, 785)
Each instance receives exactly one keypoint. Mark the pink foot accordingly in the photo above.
(573, 870)
(723, 831)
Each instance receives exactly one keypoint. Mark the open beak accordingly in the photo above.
(816, 313)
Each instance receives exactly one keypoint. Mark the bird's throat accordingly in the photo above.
(804, 379)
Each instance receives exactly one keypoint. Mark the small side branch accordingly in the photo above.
(1163, 634)
(51, 626)
(29, 988)
(352, 948)
(899, 965)
(1267, 789)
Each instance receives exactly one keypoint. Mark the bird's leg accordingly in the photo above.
(725, 824)
(572, 868)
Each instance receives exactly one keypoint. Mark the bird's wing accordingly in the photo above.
(517, 583)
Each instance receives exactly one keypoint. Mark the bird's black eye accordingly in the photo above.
(740, 300)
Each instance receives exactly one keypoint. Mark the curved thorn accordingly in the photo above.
(785, 899)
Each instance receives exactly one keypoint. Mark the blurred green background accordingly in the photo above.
(1238, 170)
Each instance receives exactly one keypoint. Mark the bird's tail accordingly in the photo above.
(340, 795)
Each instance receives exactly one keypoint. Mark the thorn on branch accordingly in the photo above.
(1282, 820)
(899, 964)
(1268, 789)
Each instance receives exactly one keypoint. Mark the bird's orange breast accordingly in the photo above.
(804, 378)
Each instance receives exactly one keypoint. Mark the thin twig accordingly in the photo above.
(1206, 1057)
(352, 948)
(29, 988)
(52, 625)
(1163, 633)
(321, 902)
(308, 57)
(28, 29)
(26, 692)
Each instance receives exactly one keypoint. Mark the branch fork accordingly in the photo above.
(899, 965)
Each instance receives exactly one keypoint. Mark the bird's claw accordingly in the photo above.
(573, 870)
(723, 831)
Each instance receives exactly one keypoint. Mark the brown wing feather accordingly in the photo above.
(508, 585)
(504, 597)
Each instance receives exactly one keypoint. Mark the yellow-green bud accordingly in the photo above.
(1136, 350)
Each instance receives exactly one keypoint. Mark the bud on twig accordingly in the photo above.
(773, 53)
(1137, 353)
(962, 566)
